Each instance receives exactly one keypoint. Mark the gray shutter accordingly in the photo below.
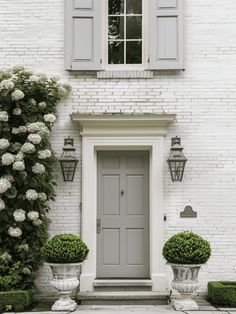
(166, 34)
(82, 34)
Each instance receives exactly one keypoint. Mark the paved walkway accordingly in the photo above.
(205, 308)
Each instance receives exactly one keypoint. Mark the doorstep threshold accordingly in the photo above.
(123, 283)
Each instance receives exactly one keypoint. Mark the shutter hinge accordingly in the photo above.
(80, 206)
(149, 59)
(101, 61)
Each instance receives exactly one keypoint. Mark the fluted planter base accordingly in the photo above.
(64, 280)
(185, 282)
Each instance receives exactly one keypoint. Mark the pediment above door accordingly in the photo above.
(123, 124)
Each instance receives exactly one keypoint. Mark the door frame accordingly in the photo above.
(126, 132)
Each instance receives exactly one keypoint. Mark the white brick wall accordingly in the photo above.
(204, 98)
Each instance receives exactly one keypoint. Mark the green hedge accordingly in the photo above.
(222, 292)
(18, 300)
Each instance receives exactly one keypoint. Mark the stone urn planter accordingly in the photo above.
(64, 254)
(185, 282)
(186, 252)
(65, 279)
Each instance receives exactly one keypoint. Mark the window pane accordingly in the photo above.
(134, 52)
(134, 27)
(116, 6)
(134, 6)
(116, 52)
(116, 28)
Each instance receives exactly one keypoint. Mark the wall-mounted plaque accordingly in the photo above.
(188, 213)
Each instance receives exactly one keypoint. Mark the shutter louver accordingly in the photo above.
(166, 34)
(83, 34)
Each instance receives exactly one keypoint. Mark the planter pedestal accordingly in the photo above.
(185, 303)
(64, 280)
(185, 282)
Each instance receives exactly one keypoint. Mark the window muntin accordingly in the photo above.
(125, 32)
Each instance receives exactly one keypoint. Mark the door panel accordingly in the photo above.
(134, 194)
(111, 246)
(111, 194)
(135, 239)
(123, 211)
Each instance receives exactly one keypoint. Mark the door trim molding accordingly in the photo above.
(91, 143)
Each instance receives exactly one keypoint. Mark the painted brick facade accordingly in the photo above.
(203, 97)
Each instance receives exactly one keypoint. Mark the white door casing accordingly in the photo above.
(123, 132)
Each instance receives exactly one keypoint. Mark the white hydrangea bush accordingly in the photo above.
(27, 113)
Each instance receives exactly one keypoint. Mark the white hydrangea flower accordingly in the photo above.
(44, 154)
(23, 247)
(49, 118)
(4, 143)
(19, 215)
(19, 165)
(2, 204)
(44, 131)
(22, 129)
(6, 257)
(33, 215)
(19, 156)
(17, 146)
(3, 116)
(42, 197)
(31, 195)
(34, 78)
(62, 91)
(26, 271)
(4, 185)
(7, 159)
(38, 168)
(14, 232)
(35, 127)
(34, 138)
(41, 74)
(15, 130)
(17, 111)
(32, 102)
(37, 222)
(7, 84)
(28, 148)
(17, 95)
(9, 177)
(42, 104)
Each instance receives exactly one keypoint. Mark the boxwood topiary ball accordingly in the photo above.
(186, 248)
(65, 248)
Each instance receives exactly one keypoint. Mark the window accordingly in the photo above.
(139, 33)
(125, 32)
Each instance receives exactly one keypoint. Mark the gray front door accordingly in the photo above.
(123, 215)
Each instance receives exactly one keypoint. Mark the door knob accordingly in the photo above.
(122, 192)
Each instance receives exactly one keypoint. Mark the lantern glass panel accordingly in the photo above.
(68, 169)
(177, 169)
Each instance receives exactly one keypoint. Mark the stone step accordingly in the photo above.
(122, 285)
(119, 298)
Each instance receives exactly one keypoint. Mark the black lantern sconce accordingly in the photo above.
(68, 160)
(176, 160)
